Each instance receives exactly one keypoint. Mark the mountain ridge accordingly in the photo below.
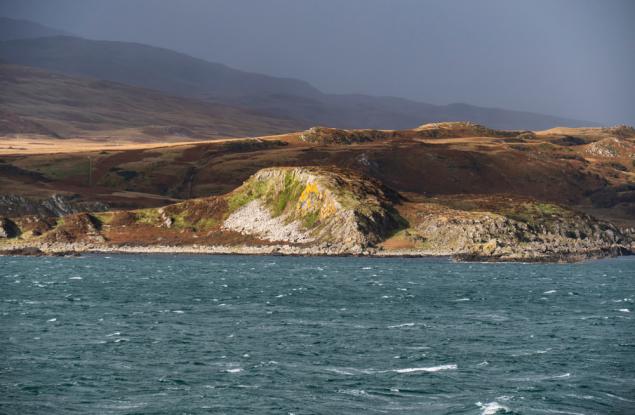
(180, 74)
(11, 29)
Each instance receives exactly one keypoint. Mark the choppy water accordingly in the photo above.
(274, 335)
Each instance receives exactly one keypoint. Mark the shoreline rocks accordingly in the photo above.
(78, 248)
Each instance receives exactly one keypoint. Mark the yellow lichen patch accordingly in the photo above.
(310, 196)
(329, 208)
(313, 199)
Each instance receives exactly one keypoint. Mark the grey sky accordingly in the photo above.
(573, 58)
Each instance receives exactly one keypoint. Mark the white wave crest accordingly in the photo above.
(396, 326)
(426, 369)
(492, 408)
(234, 370)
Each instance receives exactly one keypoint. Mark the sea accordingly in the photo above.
(176, 334)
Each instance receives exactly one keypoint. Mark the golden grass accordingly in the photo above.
(34, 144)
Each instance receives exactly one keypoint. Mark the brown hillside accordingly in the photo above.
(556, 166)
(35, 101)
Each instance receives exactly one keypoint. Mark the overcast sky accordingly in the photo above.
(573, 58)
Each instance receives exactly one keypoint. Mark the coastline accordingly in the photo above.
(74, 249)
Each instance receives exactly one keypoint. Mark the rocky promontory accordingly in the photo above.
(328, 211)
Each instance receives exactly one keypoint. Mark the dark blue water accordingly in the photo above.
(273, 335)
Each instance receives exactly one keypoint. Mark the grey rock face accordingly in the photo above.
(56, 205)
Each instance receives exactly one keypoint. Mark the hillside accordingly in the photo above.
(594, 167)
(38, 102)
(11, 29)
(182, 75)
(145, 66)
(455, 188)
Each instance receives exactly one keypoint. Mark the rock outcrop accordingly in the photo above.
(532, 232)
(80, 226)
(56, 205)
(324, 135)
(611, 147)
(310, 204)
(457, 129)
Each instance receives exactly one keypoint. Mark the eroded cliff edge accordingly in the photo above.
(329, 211)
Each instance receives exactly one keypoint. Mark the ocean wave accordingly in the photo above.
(348, 371)
(426, 369)
(396, 326)
(234, 370)
(492, 408)
(535, 378)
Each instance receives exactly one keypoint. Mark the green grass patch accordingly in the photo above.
(180, 220)
(276, 201)
(251, 190)
(147, 216)
(206, 223)
(290, 194)
(534, 213)
(183, 220)
(66, 168)
(103, 217)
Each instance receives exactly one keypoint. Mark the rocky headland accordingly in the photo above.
(328, 211)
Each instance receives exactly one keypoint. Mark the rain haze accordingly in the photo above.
(567, 58)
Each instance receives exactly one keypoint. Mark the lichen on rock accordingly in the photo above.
(331, 206)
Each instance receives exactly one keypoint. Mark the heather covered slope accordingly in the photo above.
(441, 189)
(590, 169)
(37, 102)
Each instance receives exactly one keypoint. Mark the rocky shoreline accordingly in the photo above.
(310, 211)
(77, 249)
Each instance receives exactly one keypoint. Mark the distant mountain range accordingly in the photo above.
(35, 101)
(177, 74)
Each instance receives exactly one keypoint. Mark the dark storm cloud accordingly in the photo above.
(572, 58)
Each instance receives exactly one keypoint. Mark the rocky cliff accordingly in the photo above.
(314, 205)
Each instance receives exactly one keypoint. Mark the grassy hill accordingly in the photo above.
(179, 74)
(35, 101)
